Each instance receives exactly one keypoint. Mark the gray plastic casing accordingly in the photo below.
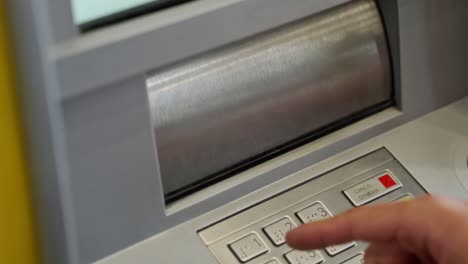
(91, 149)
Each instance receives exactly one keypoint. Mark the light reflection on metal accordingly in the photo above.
(221, 108)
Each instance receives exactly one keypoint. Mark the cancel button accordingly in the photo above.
(372, 188)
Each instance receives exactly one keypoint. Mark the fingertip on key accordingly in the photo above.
(293, 238)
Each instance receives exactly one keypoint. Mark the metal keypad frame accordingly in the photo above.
(325, 190)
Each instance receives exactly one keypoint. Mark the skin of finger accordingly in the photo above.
(372, 223)
(449, 227)
(414, 224)
(443, 240)
(388, 253)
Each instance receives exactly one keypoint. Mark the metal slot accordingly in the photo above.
(226, 110)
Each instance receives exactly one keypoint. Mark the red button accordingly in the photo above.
(387, 181)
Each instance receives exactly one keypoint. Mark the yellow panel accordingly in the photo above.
(17, 236)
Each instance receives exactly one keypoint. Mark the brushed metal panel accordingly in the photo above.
(326, 190)
(221, 108)
(374, 162)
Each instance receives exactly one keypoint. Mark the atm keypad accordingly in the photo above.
(248, 247)
(251, 246)
(257, 235)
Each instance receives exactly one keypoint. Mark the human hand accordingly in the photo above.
(430, 229)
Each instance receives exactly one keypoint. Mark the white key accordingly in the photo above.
(304, 257)
(335, 250)
(372, 188)
(315, 212)
(277, 231)
(248, 247)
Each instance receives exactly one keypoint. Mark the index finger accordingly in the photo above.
(411, 221)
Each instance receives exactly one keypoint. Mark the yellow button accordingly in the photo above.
(406, 197)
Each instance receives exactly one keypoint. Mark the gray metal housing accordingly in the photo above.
(90, 143)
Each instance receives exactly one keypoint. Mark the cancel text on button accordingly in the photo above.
(372, 188)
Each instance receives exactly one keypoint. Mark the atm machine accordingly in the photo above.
(202, 131)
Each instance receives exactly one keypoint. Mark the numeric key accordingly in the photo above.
(315, 212)
(248, 247)
(278, 230)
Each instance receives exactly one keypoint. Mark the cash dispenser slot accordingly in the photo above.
(223, 112)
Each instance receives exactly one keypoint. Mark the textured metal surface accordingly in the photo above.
(225, 107)
(367, 164)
